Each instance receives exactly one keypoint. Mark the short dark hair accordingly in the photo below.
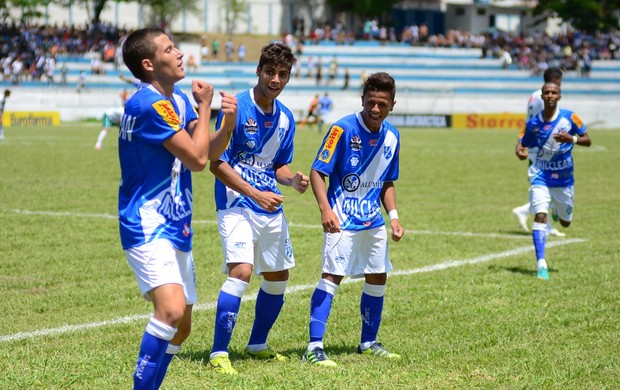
(138, 46)
(552, 73)
(277, 53)
(382, 82)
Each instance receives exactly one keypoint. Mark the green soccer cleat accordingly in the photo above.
(377, 350)
(265, 354)
(318, 357)
(543, 273)
(221, 364)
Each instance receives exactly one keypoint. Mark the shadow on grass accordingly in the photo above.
(291, 353)
(529, 271)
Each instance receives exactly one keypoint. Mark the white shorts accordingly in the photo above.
(158, 263)
(356, 253)
(542, 197)
(260, 240)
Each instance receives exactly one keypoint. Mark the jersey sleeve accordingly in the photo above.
(577, 124)
(327, 155)
(160, 121)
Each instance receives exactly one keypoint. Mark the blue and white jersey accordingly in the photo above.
(155, 194)
(358, 162)
(259, 142)
(554, 165)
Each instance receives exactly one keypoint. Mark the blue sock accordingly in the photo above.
(539, 235)
(371, 308)
(225, 319)
(320, 307)
(266, 312)
(152, 351)
(163, 367)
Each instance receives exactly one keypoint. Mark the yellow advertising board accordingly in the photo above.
(30, 118)
(503, 120)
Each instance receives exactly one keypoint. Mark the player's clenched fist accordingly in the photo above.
(202, 92)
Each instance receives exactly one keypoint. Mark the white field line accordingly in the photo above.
(291, 224)
(290, 290)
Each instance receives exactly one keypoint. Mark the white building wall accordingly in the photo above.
(265, 17)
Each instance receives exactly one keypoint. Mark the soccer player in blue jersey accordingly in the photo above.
(253, 230)
(535, 106)
(161, 140)
(554, 132)
(359, 154)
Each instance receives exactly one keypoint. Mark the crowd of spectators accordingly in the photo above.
(535, 52)
(31, 52)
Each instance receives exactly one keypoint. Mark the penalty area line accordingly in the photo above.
(292, 289)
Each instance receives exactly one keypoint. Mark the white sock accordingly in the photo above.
(541, 263)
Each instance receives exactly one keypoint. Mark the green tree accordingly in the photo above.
(585, 15)
(163, 11)
(235, 10)
(29, 9)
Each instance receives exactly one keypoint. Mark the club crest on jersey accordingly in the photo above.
(351, 182)
(329, 146)
(356, 143)
(250, 126)
(165, 109)
(354, 161)
(387, 152)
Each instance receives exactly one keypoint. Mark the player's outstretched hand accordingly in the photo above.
(397, 231)
(202, 92)
(300, 182)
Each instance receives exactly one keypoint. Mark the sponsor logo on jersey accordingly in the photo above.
(351, 182)
(165, 109)
(356, 143)
(268, 124)
(373, 142)
(330, 144)
(246, 158)
(577, 120)
(250, 126)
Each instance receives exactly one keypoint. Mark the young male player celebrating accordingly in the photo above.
(360, 156)
(254, 232)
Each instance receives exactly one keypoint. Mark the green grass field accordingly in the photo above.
(463, 307)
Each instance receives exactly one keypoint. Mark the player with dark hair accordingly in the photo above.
(162, 139)
(535, 106)
(7, 93)
(360, 155)
(253, 229)
(554, 132)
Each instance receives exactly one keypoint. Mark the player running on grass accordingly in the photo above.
(535, 106)
(554, 132)
(360, 156)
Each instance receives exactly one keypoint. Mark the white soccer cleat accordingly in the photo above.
(522, 218)
(555, 232)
